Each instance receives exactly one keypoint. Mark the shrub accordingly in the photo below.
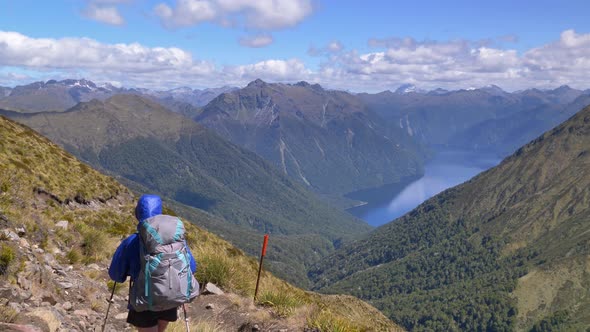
(7, 257)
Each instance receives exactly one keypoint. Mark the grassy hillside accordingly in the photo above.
(142, 142)
(40, 184)
(507, 250)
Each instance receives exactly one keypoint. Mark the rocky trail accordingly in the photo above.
(49, 295)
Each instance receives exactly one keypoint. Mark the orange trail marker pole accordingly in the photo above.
(262, 254)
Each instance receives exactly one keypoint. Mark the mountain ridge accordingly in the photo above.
(325, 139)
(493, 247)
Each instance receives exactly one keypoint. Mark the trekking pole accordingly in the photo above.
(260, 265)
(185, 319)
(109, 307)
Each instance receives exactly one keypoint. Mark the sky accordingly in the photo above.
(352, 45)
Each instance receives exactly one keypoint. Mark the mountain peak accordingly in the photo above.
(406, 88)
(305, 84)
(257, 83)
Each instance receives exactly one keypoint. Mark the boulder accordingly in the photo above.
(67, 306)
(212, 289)
(45, 318)
(121, 316)
(93, 267)
(21, 231)
(12, 236)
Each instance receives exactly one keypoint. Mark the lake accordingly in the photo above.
(446, 169)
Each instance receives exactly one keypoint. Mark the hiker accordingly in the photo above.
(160, 266)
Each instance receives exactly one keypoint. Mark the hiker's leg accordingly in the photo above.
(162, 324)
(148, 329)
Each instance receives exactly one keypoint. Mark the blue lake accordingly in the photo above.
(447, 169)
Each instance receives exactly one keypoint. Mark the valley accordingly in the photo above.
(446, 169)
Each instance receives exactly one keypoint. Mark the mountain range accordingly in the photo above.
(327, 140)
(507, 250)
(56, 95)
(469, 119)
(164, 152)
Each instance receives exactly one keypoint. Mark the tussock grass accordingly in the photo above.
(324, 320)
(283, 303)
(7, 314)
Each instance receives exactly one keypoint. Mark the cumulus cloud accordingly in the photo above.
(272, 70)
(333, 47)
(462, 63)
(105, 14)
(256, 41)
(133, 64)
(259, 14)
(427, 64)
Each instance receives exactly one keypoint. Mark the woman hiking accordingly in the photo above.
(159, 264)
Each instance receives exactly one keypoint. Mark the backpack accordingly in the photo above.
(165, 280)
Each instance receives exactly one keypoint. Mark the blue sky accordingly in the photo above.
(355, 45)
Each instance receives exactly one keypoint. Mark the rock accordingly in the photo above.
(12, 236)
(63, 224)
(6, 327)
(93, 267)
(69, 268)
(81, 312)
(49, 298)
(25, 295)
(15, 306)
(121, 316)
(24, 243)
(49, 259)
(38, 250)
(23, 282)
(212, 289)
(21, 231)
(60, 272)
(210, 306)
(255, 328)
(67, 306)
(47, 317)
(66, 285)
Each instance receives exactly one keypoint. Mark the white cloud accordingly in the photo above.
(259, 14)
(453, 64)
(272, 70)
(256, 41)
(19, 50)
(105, 14)
(132, 64)
(333, 47)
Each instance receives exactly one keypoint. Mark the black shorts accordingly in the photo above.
(150, 318)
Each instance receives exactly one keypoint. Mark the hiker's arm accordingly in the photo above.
(119, 268)
(193, 263)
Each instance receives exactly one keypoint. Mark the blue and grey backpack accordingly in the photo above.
(165, 280)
